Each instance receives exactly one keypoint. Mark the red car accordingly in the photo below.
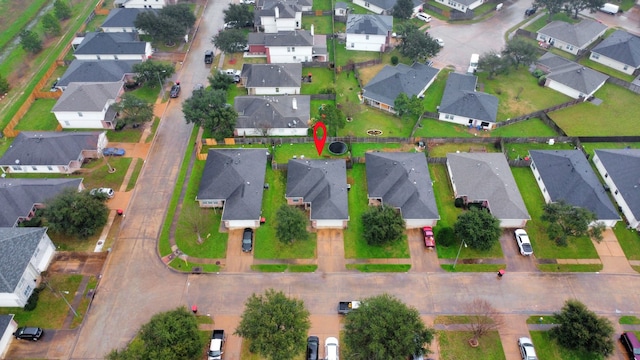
(429, 240)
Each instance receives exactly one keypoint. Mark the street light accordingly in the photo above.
(161, 84)
(457, 256)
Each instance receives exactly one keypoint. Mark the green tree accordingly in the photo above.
(51, 24)
(406, 105)
(291, 224)
(382, 225)
(230, 41)
(220, 81)
(565, 221)
(208, 108)
(276, 325)
(134, 110)
(62, 10)
(494, 64)
(478, 228)
(167, 336)
(383, 327)
(417, 45)
(181, 13)
(76, 214)
(332, 117)
(169, 25)
(238, 12)
(581, 329)
(575, 6)
(553, 6)
(4, 85)
(30, 41)
(153, 73)
(520, 52)
(403, 9)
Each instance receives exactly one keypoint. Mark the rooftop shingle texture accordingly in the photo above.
(402, 180)
(621, 46)
(236, 176)
(393, 80)
(17, 246)
(5, 320)
(285, 11)
(97, 70)
(289, 38)
(572, 74)
(272, 75)
(49, 148)
(579, 34)
(111, 43)
(87, 96)
(323, 184)
(389, 4)
(369, 24)
(460, 98)
(123, 17)
(275, 111)
(487, 176)
(568, 176)
(623, 167)
(18, 196)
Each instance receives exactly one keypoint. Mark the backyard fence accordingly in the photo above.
(625, 84)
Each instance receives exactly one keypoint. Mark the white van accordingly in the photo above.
(424, 17)
(473, 63)
(610, 8)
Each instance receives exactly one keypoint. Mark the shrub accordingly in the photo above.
(445, 236)
(32, 302)
(394, 60)
(537, 73)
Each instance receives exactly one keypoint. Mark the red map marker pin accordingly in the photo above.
(319, 141)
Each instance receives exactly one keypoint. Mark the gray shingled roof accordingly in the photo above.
(369, 24)
(18, 196)
(237, 177)
(389, 4)
(293, 3)
(623, 167)
(341, 5)
(579, 34)
(289, 38)
(123, 17)
(17, 246)
(487, 176)
(5, 320)
(111, 43)
(323, 183)
(272, 75)
(87, 96)
(393, 80)
(402, 180)
(49, 147)
(568, 176)
(571, 74)
(621, 46)
(292, 111)
(285, 11)
(97, 71)
(461, 98)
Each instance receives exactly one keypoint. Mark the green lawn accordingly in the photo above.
(147, 93)
(39, 117)
(379, 267)
(547, 348)
(533, 127)
(5, 142)
(616, 116)
(322, 5)
(605, 69)
(441, 150)
(544, 20)
(629, 320)
(521, 150)
(629, 240)
(370, 118)
(321, 24)
(14, 16)
(344, 56)
(322, 81)
(590, 147)
(431, 128)
(454, 345)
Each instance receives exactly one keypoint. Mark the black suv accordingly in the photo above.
(631, 344)
(530, 11)
(175, 90)
(247, 240)
(313, 344)
(28, 333)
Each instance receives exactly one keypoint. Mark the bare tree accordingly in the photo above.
(483, 318)
(196, 220)
(264, 127)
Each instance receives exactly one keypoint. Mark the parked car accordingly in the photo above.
(530, 11)
(175, 91)
(630, 342)
(111, 151)
(429, 239)
(107, 192)
(524, 244)
(249, 2)
(526, 349)
(28, 333)
(313, 348)
(424, 17)
(247, 240)
(331, 351)
(231, 25)
(440, 42)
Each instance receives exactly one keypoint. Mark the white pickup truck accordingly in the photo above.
(217, 345)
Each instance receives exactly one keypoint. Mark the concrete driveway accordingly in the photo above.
(237, 261)
(422, 259)
(514, 260)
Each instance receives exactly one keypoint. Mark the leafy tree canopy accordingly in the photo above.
(276, 325)
(241, 13)
(573, 7)
(30, 41)
(181, 13)
(406, 105)
(76, 214)
(332, 117)
(208, 108)
(493, 64)
(291, 224)
(4, 85)
(62, 10)
(220, 81)
(520, 51)
(417, 45)
(153, 73)
(403, 9)
(553, 6)
(230, 41)
(169, 25)
(134, 110)
(565, 221)
(478, 228)
(51, 24)
(382, 225)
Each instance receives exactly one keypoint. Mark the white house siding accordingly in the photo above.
(463, 120)
(419, 223)
(564, 89)
(274, 91)
(153, 4)
(5, 339)
(118, 29)
(88, 120)
(289, 54)
(558, 44)
(626, 211)
(616, 65)
(45, 253)
(241, 224)
(111, 57)
(273, 25)
(541, 186)
(513, 223)
(39, 169)
(368, 6)
(272, 132)
(363, 42)
(329, 224)
(453, 5)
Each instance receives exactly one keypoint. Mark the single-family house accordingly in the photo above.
(462, 104)
(7, 327)
(402, 180)
(88, 105)
(273, 115)
(572, 38)
(92, 71)
(233, 179)
(52, 152)
(148, 4)
(275, 16)
(24, 254)
(461, 5)
(111, 46)
(620, 51)
(620, 169)
(565, 175)
(382, 91)
(385, 7)
(368, 32)
(289, 46)
(570, 78)
(122, 20)
(272, 79)
(485, 180)
(340, 9)
(20, 198)
(321, 187)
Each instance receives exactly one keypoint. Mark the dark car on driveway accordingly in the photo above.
(28, 333)
(313, 344)
(247, 240)
(175, 90)
(111, 151)
(530, 11)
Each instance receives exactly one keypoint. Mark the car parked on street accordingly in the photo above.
(231, 25)
(524, 244)
(424, 17)
(527, 352)
(530, 11)
(313, 348)
(331, 350)
(631, 344)
(440, 42)
(106, 192)
(112, 151)
(175, 90)
(429, 239)
(247, 240)
(28, 333)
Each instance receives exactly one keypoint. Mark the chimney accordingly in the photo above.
(277, 11)
(311, 30)
(294, 104)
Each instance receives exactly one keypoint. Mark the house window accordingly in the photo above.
(293, 49)
(470, 121)
(616, 192)
(277, 90)
(570, 47)
(595, 56)
(295, 200)
(115, 57)
(367, 37)
(366, 4)
(36, 252)
(625, 67)
(27, 291)
(50, 168)
(98, 57)
(544, 190)
(606, 175)
(67, 123)
(288, 49)
(533, 166)
(352, 45)
(294, 57)
(448, 117)
(17, 168)
(34, 168)
(538, 178)
(79, 114)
